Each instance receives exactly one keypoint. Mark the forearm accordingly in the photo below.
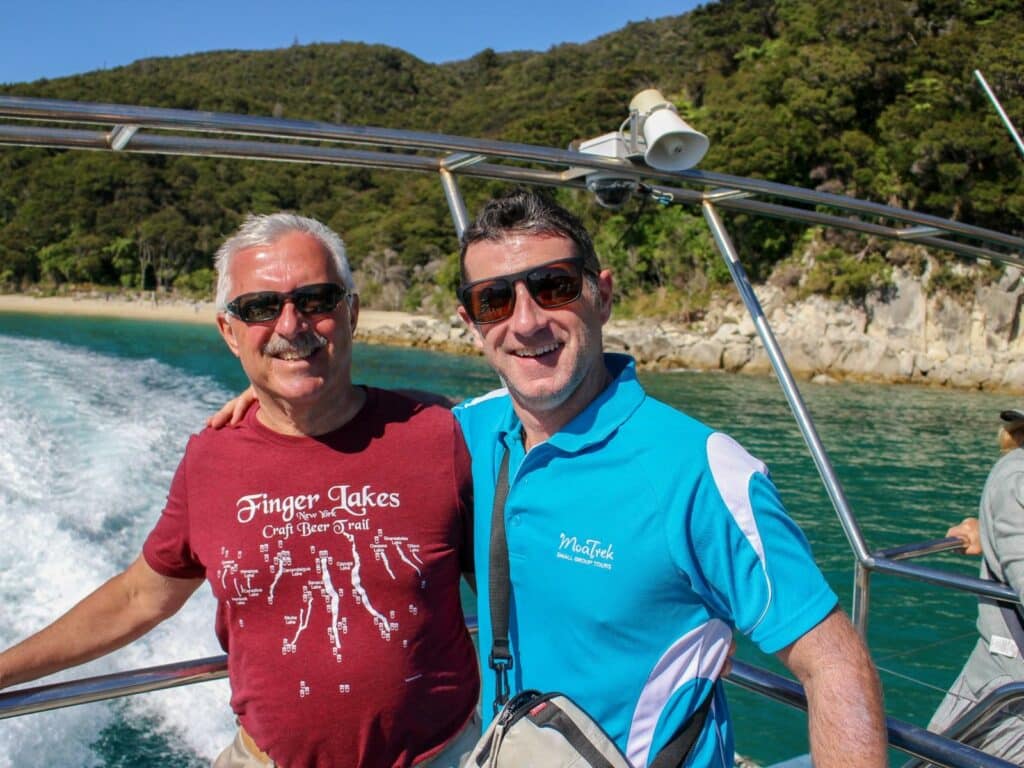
(846, 721)
(121, 610)
(844, 698)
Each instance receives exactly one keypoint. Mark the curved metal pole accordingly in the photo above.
(999, 109)
(89, 689)
(979, 715)
(923, 573)
(861, 607)
(921, 548)
(789, 388)
(120, 116)
(456, 205)
(904, 736)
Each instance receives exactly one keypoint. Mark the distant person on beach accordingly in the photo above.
(997, 534)
(639, 539)
(333, 526)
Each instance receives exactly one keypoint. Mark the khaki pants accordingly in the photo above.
(243, 752)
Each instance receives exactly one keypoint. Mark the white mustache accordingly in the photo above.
(302, 345)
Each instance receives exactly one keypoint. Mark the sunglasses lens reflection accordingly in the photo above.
(554, 286)
(550, 286)
(263, 306)
(492, 301)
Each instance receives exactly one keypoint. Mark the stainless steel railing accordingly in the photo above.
(903, 736)
(120, 128)
(26, 701)
(975, 718)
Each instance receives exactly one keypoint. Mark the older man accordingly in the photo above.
(332, 527)
(638, 539)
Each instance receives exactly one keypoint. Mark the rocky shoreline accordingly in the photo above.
(906, 337)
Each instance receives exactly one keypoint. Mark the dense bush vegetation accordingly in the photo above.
(874, 99)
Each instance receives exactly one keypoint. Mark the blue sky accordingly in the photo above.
(53, 38)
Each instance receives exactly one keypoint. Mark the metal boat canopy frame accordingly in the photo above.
(47, 123)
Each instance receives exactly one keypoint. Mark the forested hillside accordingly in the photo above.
(874, 99)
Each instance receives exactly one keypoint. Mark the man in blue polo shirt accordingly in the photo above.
(638, 538)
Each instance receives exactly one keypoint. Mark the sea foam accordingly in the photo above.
(88, 445)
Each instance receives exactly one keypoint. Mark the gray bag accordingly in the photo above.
(544, 730)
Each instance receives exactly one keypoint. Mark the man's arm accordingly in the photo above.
(233, 411)
(844, 697)
(121, 610)
(1004, 506)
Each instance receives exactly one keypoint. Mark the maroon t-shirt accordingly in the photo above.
(335, 563)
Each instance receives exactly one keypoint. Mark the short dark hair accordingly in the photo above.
(525, 211)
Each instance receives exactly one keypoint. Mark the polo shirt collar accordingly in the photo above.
(605, 414)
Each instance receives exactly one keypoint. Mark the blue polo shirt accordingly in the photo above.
(638, 540)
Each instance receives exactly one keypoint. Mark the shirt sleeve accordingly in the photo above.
(1006, 506)
(167, 549)
(756, 566)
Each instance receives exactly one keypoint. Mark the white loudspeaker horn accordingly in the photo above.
(672, 145)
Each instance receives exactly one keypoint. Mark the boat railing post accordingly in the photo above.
(999, 110)
(861, 598)
(453, 195)
(789, 388)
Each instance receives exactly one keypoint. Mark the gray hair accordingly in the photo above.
(267, 229)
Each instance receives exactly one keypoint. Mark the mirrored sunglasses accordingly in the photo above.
(264, 306)
(550, 285)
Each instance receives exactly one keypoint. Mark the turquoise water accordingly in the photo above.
(96, 413)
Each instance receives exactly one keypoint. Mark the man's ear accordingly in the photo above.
(478, 338)
(227, 332)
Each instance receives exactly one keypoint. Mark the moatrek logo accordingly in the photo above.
(585, 551)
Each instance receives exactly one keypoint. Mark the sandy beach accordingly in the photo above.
(177, 311)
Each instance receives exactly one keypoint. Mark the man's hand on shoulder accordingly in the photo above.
(233, 412)
(428, 398)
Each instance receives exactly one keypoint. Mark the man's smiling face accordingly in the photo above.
(294, 358)
(548, 358)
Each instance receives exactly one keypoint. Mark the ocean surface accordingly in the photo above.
(94, 415)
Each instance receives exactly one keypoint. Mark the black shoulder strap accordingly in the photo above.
(674, 753)
(499, 590)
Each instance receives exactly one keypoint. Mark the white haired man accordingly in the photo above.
(332, 526)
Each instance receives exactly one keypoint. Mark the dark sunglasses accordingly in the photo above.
(264, 306)
(551, 285)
